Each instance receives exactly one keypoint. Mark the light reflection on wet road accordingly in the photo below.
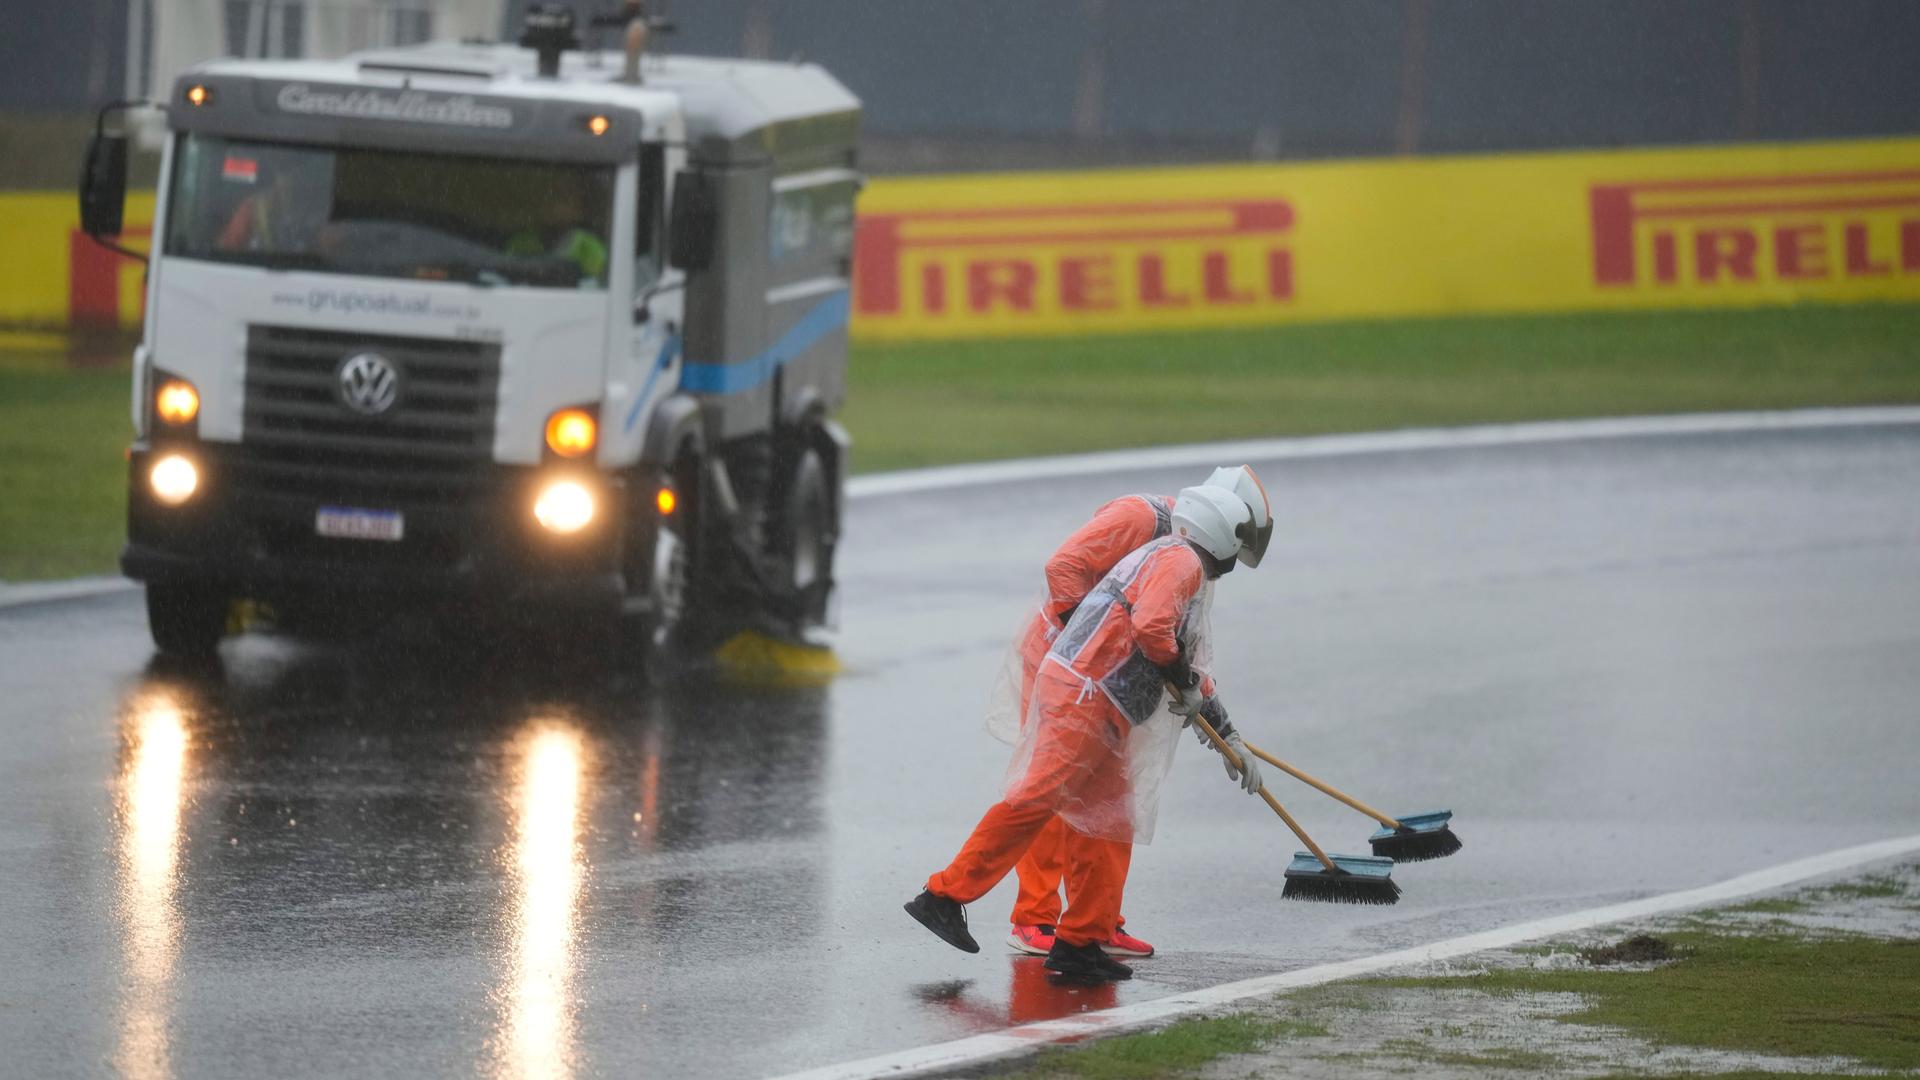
(155, 735)
(547, 866)
(1630, 667)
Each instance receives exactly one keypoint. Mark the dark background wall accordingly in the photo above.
(1280, 79)
(61, 54)
(952, 84)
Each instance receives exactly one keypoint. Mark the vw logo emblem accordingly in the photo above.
(369, 385)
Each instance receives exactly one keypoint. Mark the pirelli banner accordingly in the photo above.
(1122, 251)
(1150, 249)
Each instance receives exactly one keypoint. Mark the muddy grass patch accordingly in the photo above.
(1638, 949)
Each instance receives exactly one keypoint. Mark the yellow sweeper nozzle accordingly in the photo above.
(753, 657)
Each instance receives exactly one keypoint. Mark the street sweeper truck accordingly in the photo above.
(556, 331)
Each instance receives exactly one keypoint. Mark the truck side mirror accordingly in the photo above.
(103, 186)
(692, 231)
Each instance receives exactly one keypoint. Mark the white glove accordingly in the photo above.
(1250, 780)
(1208, 707)
(1185, 703)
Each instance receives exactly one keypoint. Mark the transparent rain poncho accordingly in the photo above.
(1097, 747)
(1006, 710)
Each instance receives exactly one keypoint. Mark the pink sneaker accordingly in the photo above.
(1032, 940)
(1125, 944)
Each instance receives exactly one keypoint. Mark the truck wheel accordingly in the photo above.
(672, 581)
(668, 584)
(808, 531)
(186, 620)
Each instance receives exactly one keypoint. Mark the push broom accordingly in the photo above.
(1408, 838)
(1340, 879)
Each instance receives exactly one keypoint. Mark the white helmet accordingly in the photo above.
(1240, 480)
(1214, 519)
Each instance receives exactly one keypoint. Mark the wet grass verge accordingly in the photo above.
(1819, 981)
(1175, 1050)
(1785, 994)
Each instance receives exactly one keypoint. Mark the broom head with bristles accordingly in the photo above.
(1419, 837)
(1355, 879)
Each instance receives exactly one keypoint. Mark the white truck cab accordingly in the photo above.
(548, 329)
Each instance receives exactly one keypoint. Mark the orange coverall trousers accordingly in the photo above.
(1044, 865)
(1079, 760)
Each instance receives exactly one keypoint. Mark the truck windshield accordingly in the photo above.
(391, 214)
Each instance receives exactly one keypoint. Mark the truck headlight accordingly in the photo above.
(174, 479)
(564, 506)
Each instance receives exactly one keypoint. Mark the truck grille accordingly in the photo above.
(432, 446)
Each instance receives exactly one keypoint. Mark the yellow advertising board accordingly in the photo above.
(54, 276)
(1143, 249)
(1131, 250)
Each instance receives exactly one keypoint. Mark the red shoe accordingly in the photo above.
(1125, 944)
(1032, 940)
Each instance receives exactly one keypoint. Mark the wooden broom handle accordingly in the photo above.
(1234, 760)
(1323, 786)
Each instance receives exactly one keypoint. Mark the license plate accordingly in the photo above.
(350, 523)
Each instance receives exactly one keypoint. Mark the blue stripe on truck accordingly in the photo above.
(669, 349)
(822, 319)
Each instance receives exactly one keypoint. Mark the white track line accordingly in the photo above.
(20, 594)
(1380, 442)
(979, 1048)
(1193, 454)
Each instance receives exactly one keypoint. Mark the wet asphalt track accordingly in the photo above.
(1629, 666)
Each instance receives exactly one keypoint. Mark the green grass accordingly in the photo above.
(1174, 1050)
(62, 489)
(1784, 994)
(924, 404)
(911, 405)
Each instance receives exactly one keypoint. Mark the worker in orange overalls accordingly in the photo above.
(1096, 747)
(1115, 530)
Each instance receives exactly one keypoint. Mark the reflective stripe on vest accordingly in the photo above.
(1162, 508)
(1135, 685)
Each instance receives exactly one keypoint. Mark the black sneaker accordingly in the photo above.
(1085, 962)
(1115, 970)
(946, 918)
